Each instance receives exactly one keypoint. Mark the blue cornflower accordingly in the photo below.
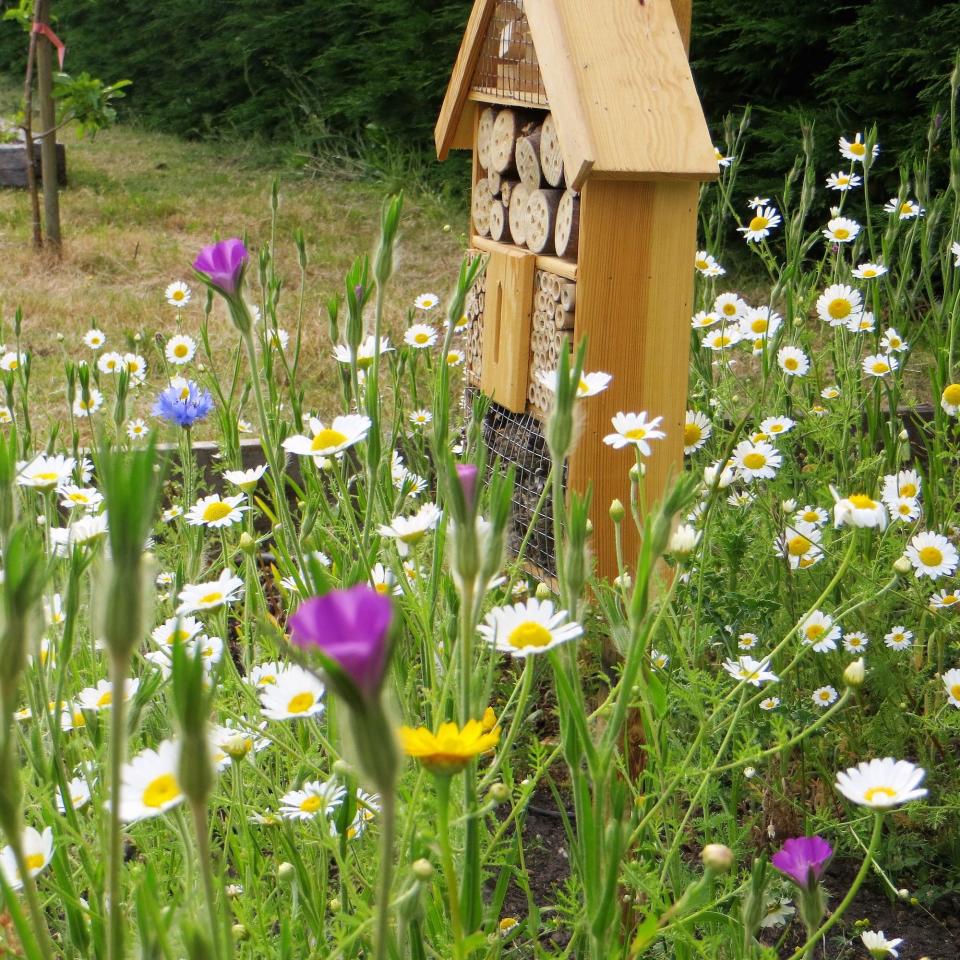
(183, 403)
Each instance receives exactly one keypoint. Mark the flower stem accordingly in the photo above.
(388, 820)
(118, 674)
(446, 854)
(851, 893)
(199, 814)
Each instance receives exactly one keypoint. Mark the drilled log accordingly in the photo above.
(506, 129)
(482, 201)
(518, 213)
(551, 157)
(528, 159)
(541, 219)
(567, 230)
(499, 222)
(485, 136)
(494, 180)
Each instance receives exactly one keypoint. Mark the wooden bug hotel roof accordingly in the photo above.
(616, 77)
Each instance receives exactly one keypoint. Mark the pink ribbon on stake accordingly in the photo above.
(44, 30)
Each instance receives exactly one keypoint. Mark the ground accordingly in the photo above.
(139, 206)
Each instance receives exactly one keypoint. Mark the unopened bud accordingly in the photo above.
(855, 673)
(247, 543)
(903, 893)
(617, 511)
(543, 592)
(499, 793)
(902, 565)
(717, 857)
(334, 905)
(286, 872)
(237, 746)
(342, 768)
(422, 869)
(904, 435)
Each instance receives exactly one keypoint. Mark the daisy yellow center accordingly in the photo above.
(106, 699)
(949, 599)
(880, 366)
(854, 642)
(453, 357)
(34, 861)
(181, 350)
(327, 438)
(930, 556)
(214, 597)
(839, 309)
(637, 433)
(730, 309)
(906, 208)
(529, 634)
(955, 691)
(879, 791)
(421, 337)
(868, 272)
(824, 695)
(798, 546)
(702, 264)
(759, 325)
(382, 587)
(908, 490)
(364, 362)
(216, 511)
(79, 498)
(815, 631)
(161, 790)
(300, 703)
(807, 562)
(842, 181)
(311, 804)
(267, 680)
(759, 223)
(857, 149)
(862, 502)
(722, 340)
(754, 460)
(841, 233)
(46, 477)
(791, 363)
(952, 394)
(691, 434)
(178, 294)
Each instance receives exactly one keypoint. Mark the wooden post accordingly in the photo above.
(634, 300)
(683, 12)
(48, 123)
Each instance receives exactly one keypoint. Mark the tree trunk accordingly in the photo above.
(28, 145)
(48, 121)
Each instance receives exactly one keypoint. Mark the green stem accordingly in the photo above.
(118, 674)
(834, 917)
(446, 855)
(199, 814)
(388, 821)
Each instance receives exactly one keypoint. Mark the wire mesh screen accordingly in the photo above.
(508, 65)
(517, 439)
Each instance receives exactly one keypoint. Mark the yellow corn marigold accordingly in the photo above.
(450, 749)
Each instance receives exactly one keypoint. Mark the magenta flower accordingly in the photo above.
(349, 627)
(223, 263)
(803, 859)
(467, 475)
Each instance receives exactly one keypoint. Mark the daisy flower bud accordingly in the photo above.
(717, 857)
(422, 869)
(855, 673)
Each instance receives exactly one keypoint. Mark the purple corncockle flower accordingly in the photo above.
(467, 475)
(803, 859)
(350, 627)
(223, 263)
(183, 403)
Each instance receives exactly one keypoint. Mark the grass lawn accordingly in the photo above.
(138, 207)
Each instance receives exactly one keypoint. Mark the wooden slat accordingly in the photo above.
(563, 268)
(448, 122)
(634, 300)
(508, 305)
(620, 89)
(683, 14)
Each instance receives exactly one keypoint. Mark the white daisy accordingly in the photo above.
(760, 323)
(45, 473)
(426, 301)
(775, 426)
(899, 638)
(904, 509)
(879, 946)
(136, 367)
(246, 480)
(800, 544)
(180, 349)
(216, 511)
(820, 631)
(944, 600)
(150, 783)
(707, 264)
(704, 319)
(408, 531)
(634, 429)
(722, 161)
(455, 358)
(85, 532)
(730, 307)
(951, 680)
(94, 338)
(838, 304)
(881, 783)
(183, 629)
(344, 432)
(79, 791)
(859, 510)
(904, 209)
(697, 429)
(111, 362)
(420, 336)
(528, 628)
(855, 641)
(764, 220)
(226, 589)
(754, 672)
(950, 399)
(37, 851)
(892, 342)
(722, 339)
(824, 696)
(137, 429)
(869, 271)
(100, 697)
(841, 230)
(811, 514)
(770, 703)
(420, 418)
(177, 294)
(932, 555)
(589, 385)
(267, 674)
(793, 361)
(11, 360)
(315, 799)
(879, 365)
(843, 181)
(87, 498)
(856, 149)
(294, 694)
(365, 352)
(756, 461)
(905, 483)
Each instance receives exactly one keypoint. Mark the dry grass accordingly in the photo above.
(138, 207)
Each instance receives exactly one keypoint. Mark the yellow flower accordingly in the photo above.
(450, 749)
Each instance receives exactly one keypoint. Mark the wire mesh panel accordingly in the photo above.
(508, 66)
(517, 439)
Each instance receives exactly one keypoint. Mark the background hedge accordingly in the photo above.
(300, 71)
